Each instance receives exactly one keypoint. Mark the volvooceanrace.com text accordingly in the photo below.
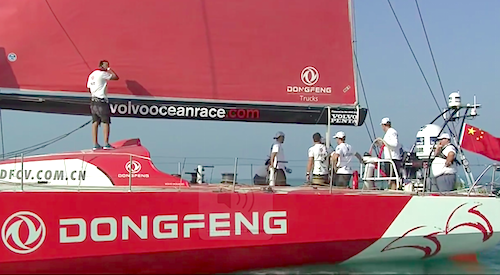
(183, 111)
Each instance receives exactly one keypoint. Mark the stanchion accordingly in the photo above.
(130, 174)
(235, 172)
(22, 172)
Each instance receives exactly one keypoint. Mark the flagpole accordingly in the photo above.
(462, 131)
(465, 162)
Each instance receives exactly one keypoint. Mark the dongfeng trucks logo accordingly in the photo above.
(308, 92)
(309, 76)
(133, 167)
(23, 232)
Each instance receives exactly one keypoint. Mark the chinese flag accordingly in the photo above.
(480, 142)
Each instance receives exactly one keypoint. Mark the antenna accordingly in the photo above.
(445, 114)
(473, 112)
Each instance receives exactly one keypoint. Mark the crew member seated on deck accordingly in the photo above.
(341, 161)
(443, 166)
(261, 175)
(317, 162)
(277, 170)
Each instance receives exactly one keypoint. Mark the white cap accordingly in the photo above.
(279, 134)
(339, 134)
(385, 120)
(443, 136)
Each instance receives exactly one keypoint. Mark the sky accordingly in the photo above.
(465, 40)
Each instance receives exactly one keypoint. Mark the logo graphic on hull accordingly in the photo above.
(23, 232)
(133, 167)
(431, 234)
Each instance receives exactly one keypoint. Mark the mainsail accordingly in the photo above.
(246, 60)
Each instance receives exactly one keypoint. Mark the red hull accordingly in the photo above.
(335, 233)
(207, 261)
(210, 229)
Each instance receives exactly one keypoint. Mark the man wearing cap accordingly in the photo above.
(341, 161)
(392, 150)
(317, 162)
(443, 166)
(277, 170)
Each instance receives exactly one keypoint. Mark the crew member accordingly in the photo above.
(392, 150)
(97, 83)
(341, 161)
(443, 166)
(318, 162)
(277, 170)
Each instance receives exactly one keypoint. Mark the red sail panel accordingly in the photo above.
(283, 52)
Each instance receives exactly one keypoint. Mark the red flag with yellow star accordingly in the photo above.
(480, 142)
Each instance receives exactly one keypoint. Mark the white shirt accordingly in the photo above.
(98, 83)
(320, 155)
(393, 148)
(345, 153)
(438, 164)
(262, 171)
(280, 156)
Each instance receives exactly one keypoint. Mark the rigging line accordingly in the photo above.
(368, 131)
(430, 50)
(418, 64)
(366, 100)
(434, 62)
(1, 130)
(413, 53)
(67, 35)
(26, 151)
(321, 114)
(43, 144)
(355, 42)
(355, 50)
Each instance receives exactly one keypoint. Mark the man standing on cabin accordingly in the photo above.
(443, 166)
(318, 162)
(392, 150)
(97, 84)
(277, 171)
(341, 161)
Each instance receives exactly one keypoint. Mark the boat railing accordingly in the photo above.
(240, 165)
(22, 174)
(372, 165)
(490, 187)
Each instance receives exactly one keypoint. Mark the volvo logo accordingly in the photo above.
(309, 75)
(133, 167)
(23, 232)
